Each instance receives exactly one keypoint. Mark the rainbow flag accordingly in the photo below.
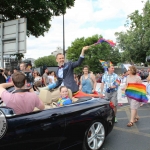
(137, 91)
(104, 63)
(117, 82)
(110, 42)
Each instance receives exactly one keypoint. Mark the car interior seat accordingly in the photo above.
(48, 97)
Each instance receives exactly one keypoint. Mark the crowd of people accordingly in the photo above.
(64, 80)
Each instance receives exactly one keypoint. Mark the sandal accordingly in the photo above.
(130, 124)
(136, 119)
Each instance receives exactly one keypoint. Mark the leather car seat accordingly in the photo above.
(49, 97)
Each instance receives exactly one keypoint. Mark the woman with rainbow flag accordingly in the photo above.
(136, 93)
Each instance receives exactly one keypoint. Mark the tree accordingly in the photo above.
(45, 61)
(37, 12)
(136, 41)
(101, 51)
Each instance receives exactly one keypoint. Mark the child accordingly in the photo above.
(64, 99)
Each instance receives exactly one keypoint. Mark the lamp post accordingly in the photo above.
(63, 35)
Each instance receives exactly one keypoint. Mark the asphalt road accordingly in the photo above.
(136, 137)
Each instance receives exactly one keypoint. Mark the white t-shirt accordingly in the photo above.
(37, 79)
(52, 78)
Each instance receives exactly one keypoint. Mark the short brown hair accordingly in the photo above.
(133, 70)
(86, 66)
(19, 79)
(59, 54)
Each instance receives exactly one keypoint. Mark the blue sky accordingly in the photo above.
(85, 19)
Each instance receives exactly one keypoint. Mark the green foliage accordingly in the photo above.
(135, 43)
(101, 51)
(46, 61)
(37, 12)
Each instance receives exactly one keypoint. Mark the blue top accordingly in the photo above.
(109, 80)
(64, 101)
(87, 85)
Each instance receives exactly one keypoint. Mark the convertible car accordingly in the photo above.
(85, 123)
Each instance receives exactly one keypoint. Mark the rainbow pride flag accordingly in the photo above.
(137, 91)
(110, 42)
(117, 82)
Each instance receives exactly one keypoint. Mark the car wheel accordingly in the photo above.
(94, 136)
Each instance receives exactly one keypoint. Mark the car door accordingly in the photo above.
(78, 118)
(37, 130)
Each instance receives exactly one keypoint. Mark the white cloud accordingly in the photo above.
(77, 20)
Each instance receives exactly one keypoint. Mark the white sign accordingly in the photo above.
(13, 36)
(3, 124)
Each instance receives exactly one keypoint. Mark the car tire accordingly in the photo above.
(94, 136)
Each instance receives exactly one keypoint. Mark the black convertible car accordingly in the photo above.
(84, 123)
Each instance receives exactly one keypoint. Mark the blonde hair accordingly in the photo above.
(133, 70)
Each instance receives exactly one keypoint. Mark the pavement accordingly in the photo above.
(136, 137)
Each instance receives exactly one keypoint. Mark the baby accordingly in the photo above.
(64, 99)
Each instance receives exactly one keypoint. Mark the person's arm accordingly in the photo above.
(94, 82)
(4, 75)
(44, 79)
(3, 87)
(50, 80)
(42, 106)
(139, 80)
(80, 86)
(101, 90)
(83, 50)
(102, 87)
(39, 104)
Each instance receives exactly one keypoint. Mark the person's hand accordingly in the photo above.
(93, 91)
(101, 96)
(80, 88)
(112, 87)
(123, 89)
(85, 48)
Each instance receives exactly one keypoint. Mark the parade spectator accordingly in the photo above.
(76, 79)
(98, 78)
(9, 77)
(15, 70)
(109, 87)
(52, 77)
(134, 105)
(88, 81)
(2, 76)
(45, 77)
(20, 101)
(124, 77)
(22, 67)
(37, 77)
